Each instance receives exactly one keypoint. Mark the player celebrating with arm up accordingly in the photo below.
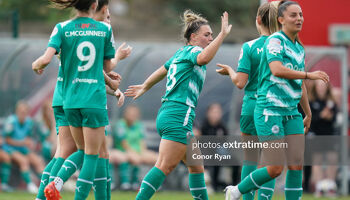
(185, 73)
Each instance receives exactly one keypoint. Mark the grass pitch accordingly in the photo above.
(162, 195)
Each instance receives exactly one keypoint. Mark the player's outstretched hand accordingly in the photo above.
(225, 69)
(123, 52)
(120, 96)
(135, 91)
(36, 68)
(318, 75)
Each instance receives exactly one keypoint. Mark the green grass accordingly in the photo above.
(131, 196)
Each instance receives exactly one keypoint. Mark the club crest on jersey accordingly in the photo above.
(275, 129)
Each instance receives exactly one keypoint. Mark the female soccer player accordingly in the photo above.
(247, 77)
(185, 73)
(87, 47)
(280, 89)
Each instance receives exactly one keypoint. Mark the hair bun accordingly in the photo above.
(189, 17)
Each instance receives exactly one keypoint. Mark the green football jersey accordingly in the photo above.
(84, 43)
(133, 135)
(57, 94)
(279, 96)
(249, 60)
(185, 78)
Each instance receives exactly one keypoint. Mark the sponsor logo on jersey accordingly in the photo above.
(83, 26)
(274, 46)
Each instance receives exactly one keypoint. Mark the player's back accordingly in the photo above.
(84, 44)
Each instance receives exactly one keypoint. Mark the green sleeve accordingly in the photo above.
(168, 63)
(244, 61)
(194, 52)
(109, 45)
(55, 39)
(274, 49)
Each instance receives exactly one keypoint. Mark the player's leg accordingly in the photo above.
(294, 128)
(100, 181)
(251, 155)
(270, 130)
(170, 154)
(5, 160)
(24, 166)
(37, 162)
(196, 181)
(46, 175)
(65, 141)
(94, 122)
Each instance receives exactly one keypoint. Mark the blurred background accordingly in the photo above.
(153, 29)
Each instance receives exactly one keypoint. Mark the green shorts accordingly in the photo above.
(174, 121)
(11, 149)
(60, 118)
(247, 124)
(87, 117)
(277, 127)
(248, 105)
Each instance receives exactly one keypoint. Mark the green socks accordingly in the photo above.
(5, 172)
(71, 165)
(150, 184)
(265, 192)
(293, 188)
(45, 179)
(197, 186)
(56, 168)
(109, 180)
(135, 175)
(246, 170)
(254, 180)
(26, 177)
(124, 174)
(100, 181)
(86, 177)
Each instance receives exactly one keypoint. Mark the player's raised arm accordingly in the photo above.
(137, 90)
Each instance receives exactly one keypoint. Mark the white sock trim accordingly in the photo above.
(200, 188)
(101, 179)
(108, 180)
(76, 167)
(85, 181)
(147, 183)
(52, 177)
(47, 173)
(293, 189)
(251, 177)
(266, 188)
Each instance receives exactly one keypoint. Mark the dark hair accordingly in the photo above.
(101, 3)
(268, 14)
(81, 5)
(282, 6)
(192, 23)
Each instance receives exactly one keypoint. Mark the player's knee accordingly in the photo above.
(166, 168)
(196, 169)
(298, 167)
(275, 171)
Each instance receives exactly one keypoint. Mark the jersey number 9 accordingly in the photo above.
(90, 58)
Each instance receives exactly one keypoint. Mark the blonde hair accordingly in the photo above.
(268, 13)
(192, 22)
